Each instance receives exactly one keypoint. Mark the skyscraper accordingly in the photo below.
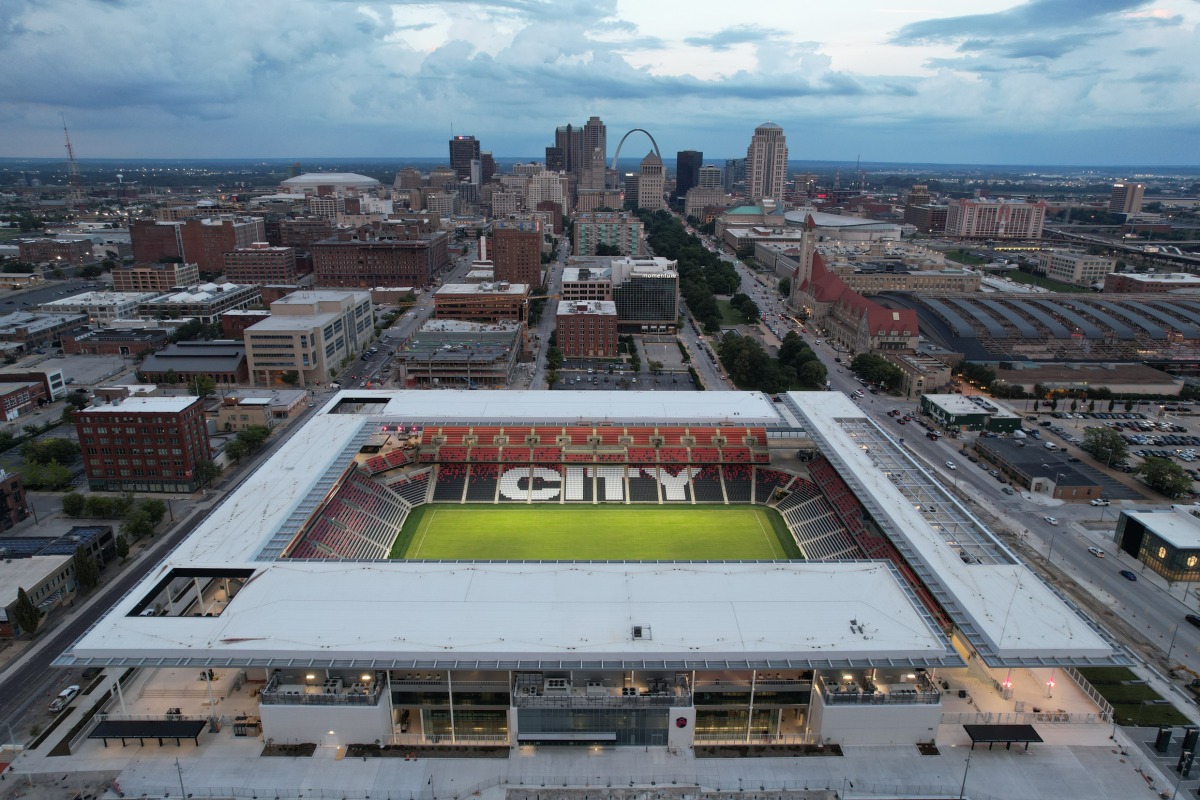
(463, 150)
(687, 171)
(766, 163)
(709, 177)
(651, 177)
(1126, 198)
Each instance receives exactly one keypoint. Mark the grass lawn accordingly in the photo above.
(1133, 702)
(1018, 276)
(729, 314)
(591, 533)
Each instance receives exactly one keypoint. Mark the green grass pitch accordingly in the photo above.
(594, 533)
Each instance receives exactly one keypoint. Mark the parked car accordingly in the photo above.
(1099, 501)
(64, 698)
(1127, 575)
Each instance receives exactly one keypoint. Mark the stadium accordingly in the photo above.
(587, 568)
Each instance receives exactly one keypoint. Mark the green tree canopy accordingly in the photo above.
(86, 570)
(1164, 476)
(1105, 445)
(43, 451)
(25, 613)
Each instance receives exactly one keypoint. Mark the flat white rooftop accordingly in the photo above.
(515, 289)
(144, 405)
(955, 404)
(468, 612)
(1176, 525)
(1009, 606)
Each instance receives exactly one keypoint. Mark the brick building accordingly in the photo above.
(206, 241)
(587, 328)
(300, 232)
(144, 444)
(484, 302)
(995, 219)
(154, 277)
(12, 500)
(55, 251)
(368, 262)
(234, 323)
(206, 302)
(261, 264)
(1150, 282)
(20, 397)
(113, 342)
(153, 241)
(517, 252)
(222, 360)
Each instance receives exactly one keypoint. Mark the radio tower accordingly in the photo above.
(75, 191)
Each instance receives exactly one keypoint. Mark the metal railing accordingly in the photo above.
(754, 738)
(1024, 718)
(445, 739)
(601, 701)
(1091, 691)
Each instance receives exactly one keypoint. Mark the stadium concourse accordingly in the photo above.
(887, 592)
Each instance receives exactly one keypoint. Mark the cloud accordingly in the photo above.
(1035, 16)
(728, 37)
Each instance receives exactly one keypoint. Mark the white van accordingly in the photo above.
(1050, 446)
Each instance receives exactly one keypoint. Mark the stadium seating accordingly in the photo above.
(642, 487)
(672, 436)
(736, 455)
(485, 454)
(579, 436)
(451, 478)
(765, 483)
(673, 455)
(609, 435)
(453, 434)
(481, 485)
(547, 455)
(707, 485)
(705, 455)
(739, 483)
(485, 435)
(639, 436)
(703, 436)
(412, 488)
(360, 521)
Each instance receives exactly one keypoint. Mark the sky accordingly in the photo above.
(1054, 82)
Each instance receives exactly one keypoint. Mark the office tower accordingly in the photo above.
(687, 171)
(463, 150)
(735, 174)
(407, 179)
(556, 159)
(919, 196)
(569, 139)
(621, 230)
(517, 252)
(546, 187)
(707, 177)
(476, 171)
(651, 179)
(595, 137)
(766, 163)
(995, 219)
(1126, 198)
(488, 165)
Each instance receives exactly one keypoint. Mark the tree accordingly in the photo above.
(253, 436)
(207, 472)
(1164, 476)
(87, 573)
(43, 451)
(813, 373)
(551, 378)
(554, 359)
(202, 385)
(78, 398)
(1104, 444)
(25, 613)
(236, 449)
(155, 509)
(1128, 405)
(876, 369)
(291, 377)
(785, 287)
(122, 547)
(73, 504)
(137, 525)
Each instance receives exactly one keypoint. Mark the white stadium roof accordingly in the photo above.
(727, 614)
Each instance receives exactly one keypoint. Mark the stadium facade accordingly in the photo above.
(288, 584)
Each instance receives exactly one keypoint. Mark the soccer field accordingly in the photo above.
(591, 533)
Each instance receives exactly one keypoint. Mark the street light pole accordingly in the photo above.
(962, 790)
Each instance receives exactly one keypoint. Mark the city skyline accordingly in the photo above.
(1045, 81)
